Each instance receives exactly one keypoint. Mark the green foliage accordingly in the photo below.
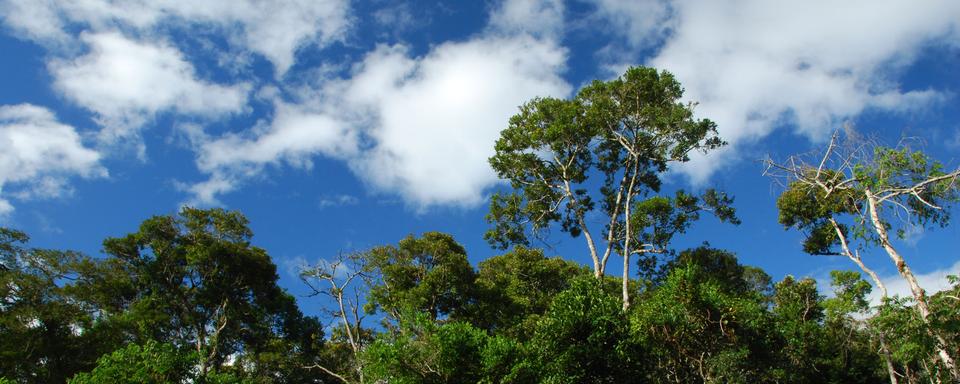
(196, 281)
(516, 288)
(423, 351)
(430, 274)
(912, 346)
(585, 338)
(850, 292)
(904, 169)
(809, 207)
(47, 333)
(821, 342)
(798, 310)
(705, 323)
(152, 362)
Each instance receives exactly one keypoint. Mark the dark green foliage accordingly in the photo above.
(706, 323)
(46, 333)
(911, 346)
(198, 283)
(516, 288)
(585, 338)
(422, 351)
(430, 274)
(808, 207)
(821, 342)
(151, 363)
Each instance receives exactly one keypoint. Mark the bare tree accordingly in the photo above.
(342, 280)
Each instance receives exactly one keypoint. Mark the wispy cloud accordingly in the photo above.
(336, 201)
(273, 29)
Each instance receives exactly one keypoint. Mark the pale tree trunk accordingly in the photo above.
(626, 282)
(627, 236)
(855, 257)
(597, 266)
(888, 359)
(857, 260)
(918, 293)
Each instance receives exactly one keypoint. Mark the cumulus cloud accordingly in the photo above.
(756, 65)
(274, 29)
(420, 127)
(39, 155)
(126, 82)
(436, 117)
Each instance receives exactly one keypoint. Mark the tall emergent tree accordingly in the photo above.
(874, 189)
(627, 131)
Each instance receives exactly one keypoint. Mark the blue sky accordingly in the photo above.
(338, 125)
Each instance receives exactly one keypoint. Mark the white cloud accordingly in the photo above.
(126, 82)
(755, 65)
(397, 18)
(336, 201)
(932, 282)
(437, 117)
(294, 135)
(541, 18)
(35, 19)
(419, 127)
(639, 23)
(274, 29)
(39, 155)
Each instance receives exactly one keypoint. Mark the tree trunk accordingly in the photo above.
(885, 351)
(626, 282)
(856, 259)
(918, 293)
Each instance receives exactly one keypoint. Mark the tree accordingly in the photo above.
(584, 337)
(430, 274)
(516, 288)
(848, 328)
(340, 280)
(423, 351)
(882, 189)
(199, 283)
(628, 130)
(47, 332)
